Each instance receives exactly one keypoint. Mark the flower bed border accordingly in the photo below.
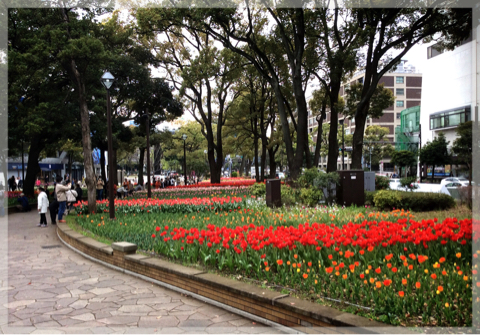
(288, 311)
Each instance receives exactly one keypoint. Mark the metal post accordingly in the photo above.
(111, 203)
(23, 167)
(185, 163)
(149, 193)
(420, 167)
(370, 158)
(343, 144)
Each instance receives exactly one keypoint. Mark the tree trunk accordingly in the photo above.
(102, 167)
(433, 172)
(78, 82)
(263, 160)
(242, 167)
(114, 162)
(33, 168)
(357, 147)
(140, 166)
(273, 165)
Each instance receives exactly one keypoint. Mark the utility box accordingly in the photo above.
(274, 195)
(369, 181)
(351, 190)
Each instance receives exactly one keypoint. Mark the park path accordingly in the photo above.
(52, 289)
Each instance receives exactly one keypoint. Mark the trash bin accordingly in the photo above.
(351, 190)
(274, 196)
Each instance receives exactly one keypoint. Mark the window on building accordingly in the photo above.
(347, 131)
(360, 80)
(398, 116)
(400, 91)
(450, 118)
(400, 80)
(400, 103)
(310, 130)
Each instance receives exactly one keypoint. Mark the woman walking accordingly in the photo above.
(61, 198)
(42, 207)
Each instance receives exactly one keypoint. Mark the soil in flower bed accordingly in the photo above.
(408, 271)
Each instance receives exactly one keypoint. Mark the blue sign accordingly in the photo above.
(96, 156)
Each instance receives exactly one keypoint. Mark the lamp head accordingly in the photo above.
(184, 137)
(107, 80)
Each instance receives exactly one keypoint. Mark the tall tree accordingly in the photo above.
(462, 146)
(400, 29)
(435, 153)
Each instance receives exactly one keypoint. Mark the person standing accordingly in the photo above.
(42, 207)
(54, 206)
(2, 199)
(11, 184)
(79, 191)
(61, 190)
(100, 185)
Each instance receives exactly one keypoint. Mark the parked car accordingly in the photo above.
(461, 180)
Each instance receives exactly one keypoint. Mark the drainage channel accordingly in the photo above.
(253, 317)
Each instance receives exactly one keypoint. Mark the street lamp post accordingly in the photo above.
(343, 143)
(184, 137)
(107, 81)
(149, 193)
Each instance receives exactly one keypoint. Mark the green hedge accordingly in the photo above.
(369, 197)
(415, 201)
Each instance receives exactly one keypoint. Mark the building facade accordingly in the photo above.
(449, 95)
(405, 84)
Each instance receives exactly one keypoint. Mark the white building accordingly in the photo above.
(449, 94)
(449, 91)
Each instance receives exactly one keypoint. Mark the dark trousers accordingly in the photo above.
(43, 218)
(53, 211)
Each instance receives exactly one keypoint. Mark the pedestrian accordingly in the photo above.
(125, 187)
(43, 204)
(71, 198)
(54, 206)
(79, 191)
(12, 185)
(24, 205)
(100, 185)
(130, 187)
(61, 190)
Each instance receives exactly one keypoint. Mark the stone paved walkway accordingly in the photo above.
(52, 289)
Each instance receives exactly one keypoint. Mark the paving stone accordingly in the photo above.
(15, 304)
(119, 320)
(47, 324)
(195, 323)
(69, 322)
(61, 311)
(199, 316)
(135, 309)
(84, 317)
(48, 331)
(152, 321)
(40, 318)
(227, 317)
(78, 304)
(105, 330)
(153, 301)
(167, 307)
(17, 330)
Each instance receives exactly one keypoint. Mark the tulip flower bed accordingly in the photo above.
(198, 192)
(407, 272)
(165, 205)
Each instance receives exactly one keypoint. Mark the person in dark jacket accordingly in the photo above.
(24, 206)
(79, 191)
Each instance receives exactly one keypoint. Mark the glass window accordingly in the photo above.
(450, 118)
(398, 115)
(399, 80)
(399, 103)
(400, 91)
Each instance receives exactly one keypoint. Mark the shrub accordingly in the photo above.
(369, 197)
(310, 196)
(415, 201)
(234, 174)
(409, 183)
(327, 182)
(289, 195)
(258, 189)
(307, 178)
(382, 183)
